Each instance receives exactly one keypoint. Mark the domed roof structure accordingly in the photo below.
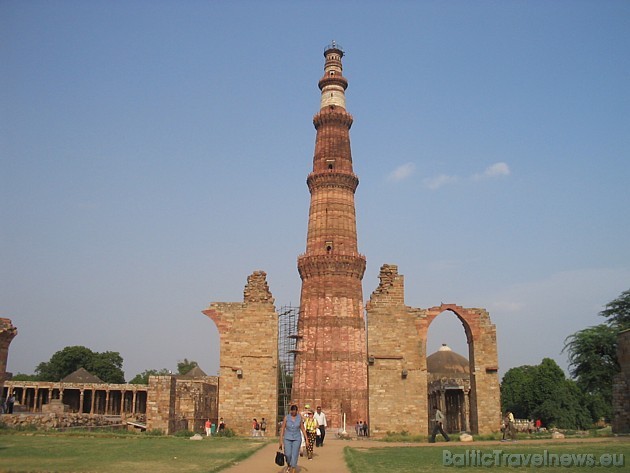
(445, 362)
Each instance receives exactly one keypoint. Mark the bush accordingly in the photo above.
(225, 433)
(154, 432)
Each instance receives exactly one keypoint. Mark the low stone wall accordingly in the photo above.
(54, 421)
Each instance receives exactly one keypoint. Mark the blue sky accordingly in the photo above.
(154, 154)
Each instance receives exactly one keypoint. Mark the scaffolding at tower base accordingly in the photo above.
(287, 342)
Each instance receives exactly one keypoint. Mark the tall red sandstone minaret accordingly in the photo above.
(331, 358)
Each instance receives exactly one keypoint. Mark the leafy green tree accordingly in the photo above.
(543, 392)
(107, 366)
(516, 392)
(143, 378)
(185, 366)
(24, 377)
(592, 354)
(618, 311)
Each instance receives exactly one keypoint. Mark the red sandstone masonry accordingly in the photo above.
(331, 358)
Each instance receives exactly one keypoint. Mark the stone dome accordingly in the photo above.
(446, 362)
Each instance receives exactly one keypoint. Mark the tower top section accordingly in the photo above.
(333, 84)
(335, 46)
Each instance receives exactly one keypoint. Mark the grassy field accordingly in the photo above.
(532, 457)
(106, 453)
(100, 452)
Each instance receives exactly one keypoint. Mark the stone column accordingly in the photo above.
(7, 334)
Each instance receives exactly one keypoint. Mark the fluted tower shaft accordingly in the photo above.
(331, 358)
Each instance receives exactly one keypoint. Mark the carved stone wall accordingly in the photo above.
(248, 386)
(621, 386)
(397, 337)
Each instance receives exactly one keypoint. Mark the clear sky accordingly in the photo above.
(155, 153)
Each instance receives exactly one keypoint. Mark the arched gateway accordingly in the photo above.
(397, 361)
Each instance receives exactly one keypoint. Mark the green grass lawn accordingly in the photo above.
(39, 452)
(452, 456)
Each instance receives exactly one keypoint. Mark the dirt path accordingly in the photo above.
(326, 459)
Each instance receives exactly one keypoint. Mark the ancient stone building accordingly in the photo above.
(621, 386)
(248, 372)
(331, 361)
(398, 377)
(7, 333)
(167, 403)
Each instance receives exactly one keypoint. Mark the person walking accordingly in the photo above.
(438, 421)
(320, 417)
(291, 437)
(208, 428)
(310, 425)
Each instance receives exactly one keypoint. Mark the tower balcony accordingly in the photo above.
(345, 180)
(352, 265)
(332, 115)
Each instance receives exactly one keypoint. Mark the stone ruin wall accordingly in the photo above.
(621, 386)
(248, 386)
(395, 399)
(196, 401)
(397, 337)
(7, 334)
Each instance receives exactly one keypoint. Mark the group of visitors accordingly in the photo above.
(259, 428)
(211, 427)
(361, 428)
(300, 432)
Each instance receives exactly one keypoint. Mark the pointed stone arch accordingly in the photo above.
(485, 409)
(397, 365)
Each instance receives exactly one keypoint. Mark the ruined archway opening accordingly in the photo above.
(448, 371)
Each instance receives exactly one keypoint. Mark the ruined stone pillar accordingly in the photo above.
(249, 356)
(7, 334)
(161, 396)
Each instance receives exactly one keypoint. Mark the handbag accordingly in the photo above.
(279, 458)
(319, 432)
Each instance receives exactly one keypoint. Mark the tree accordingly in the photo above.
(143, 378)
(516, 392)
(185, 366)
(24, 377)
(593, 364)
(543, 392)
(592, 356)
(107, 366)
(618, 311)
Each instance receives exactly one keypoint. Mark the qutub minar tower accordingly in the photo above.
(331, 358)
